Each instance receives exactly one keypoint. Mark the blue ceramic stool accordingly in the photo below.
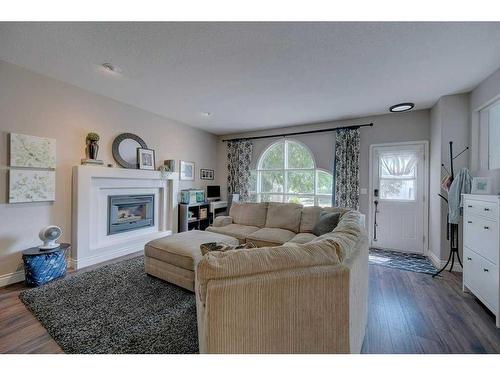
(42, 266)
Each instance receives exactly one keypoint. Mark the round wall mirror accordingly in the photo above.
(125, 149)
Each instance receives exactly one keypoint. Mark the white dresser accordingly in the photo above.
(482, 249)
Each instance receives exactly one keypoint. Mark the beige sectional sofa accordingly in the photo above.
(296, 293)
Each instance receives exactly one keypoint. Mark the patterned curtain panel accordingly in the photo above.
(239, 157)
(346, 169)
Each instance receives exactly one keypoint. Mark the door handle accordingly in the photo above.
(486, 228)
(470, 206)
(469, 222)
(469, 258)
(486, 270)
(486, 209)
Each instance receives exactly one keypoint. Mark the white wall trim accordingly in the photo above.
(425, 202)
(11, 278)
(439, 263)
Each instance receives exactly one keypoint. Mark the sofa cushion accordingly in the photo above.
(183, 249)
(270, 237)
(302, 238)
(327, 222)
(284, 216)
(253, 214)
(234, 230)
(309, 218)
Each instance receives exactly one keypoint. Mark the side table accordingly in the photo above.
(42, 266)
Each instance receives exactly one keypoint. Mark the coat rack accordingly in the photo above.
(452, 229)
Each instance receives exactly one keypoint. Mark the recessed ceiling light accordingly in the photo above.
(402, 107)
(111, 68)
(206, 114)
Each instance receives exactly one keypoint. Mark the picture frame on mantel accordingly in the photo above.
(186, 170)
(146, 159)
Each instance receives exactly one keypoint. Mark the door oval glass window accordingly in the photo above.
(398, 174)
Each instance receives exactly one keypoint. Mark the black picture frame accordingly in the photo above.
(207, 174)
(147, 163)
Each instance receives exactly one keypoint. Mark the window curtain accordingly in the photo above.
(399, 165)
(346, 169)
(239, 157)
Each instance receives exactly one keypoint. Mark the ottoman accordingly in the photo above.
(174, 258)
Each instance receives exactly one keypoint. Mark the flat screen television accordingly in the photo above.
(213, 192)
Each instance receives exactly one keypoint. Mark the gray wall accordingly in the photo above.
(393, 127)
(485, 93)
(449, 122)
(37, 105)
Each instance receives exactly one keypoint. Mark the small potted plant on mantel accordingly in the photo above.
(92, 149)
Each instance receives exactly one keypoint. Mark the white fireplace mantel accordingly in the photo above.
(91, 187)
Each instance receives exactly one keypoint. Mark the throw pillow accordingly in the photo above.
(326, 223)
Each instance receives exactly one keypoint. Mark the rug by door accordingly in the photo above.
(404, 261)
(116, 308)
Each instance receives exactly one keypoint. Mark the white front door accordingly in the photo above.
(397, 197)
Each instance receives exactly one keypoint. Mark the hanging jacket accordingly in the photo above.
(462, 184)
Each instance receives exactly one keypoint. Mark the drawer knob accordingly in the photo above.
(469, 258)
(486, 228)
(486, 270)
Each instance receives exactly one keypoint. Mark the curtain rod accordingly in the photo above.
(299, 133)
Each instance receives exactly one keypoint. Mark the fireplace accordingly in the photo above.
(130, 212)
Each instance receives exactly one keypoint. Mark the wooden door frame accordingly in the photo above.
(425, 199)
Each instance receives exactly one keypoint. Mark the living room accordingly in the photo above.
(249, 187)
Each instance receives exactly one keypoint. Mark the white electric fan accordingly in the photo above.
(49, 235)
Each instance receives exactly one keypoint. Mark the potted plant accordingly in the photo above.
(92, 145)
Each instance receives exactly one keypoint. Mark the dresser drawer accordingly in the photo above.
(481, 235)
(481, 277)
(487, 209)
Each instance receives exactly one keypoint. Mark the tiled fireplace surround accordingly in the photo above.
(92, 187)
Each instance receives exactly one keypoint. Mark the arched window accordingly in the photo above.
(286, 172)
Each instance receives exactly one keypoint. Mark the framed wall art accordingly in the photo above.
(207, 174)
(31, 186)
(28, 151)
(186, 170)
(146, 159)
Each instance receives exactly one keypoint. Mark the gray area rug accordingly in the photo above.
(116, 308)
(403, 261)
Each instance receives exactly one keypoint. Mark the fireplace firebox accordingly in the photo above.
(130, 212)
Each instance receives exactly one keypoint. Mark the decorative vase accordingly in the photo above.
(92, 150)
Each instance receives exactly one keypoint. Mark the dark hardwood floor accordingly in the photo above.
(408, 313)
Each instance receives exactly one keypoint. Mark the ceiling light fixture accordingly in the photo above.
(402, 107)
(111, 68)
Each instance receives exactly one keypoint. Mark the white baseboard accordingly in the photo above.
(90, 261)
(11, 278)
(439, 263)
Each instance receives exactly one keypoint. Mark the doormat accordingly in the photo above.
(403, 261)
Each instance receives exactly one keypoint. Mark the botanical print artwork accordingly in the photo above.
(31, 151)
(31, 186)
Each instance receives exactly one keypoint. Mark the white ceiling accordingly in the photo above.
(260, 75)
